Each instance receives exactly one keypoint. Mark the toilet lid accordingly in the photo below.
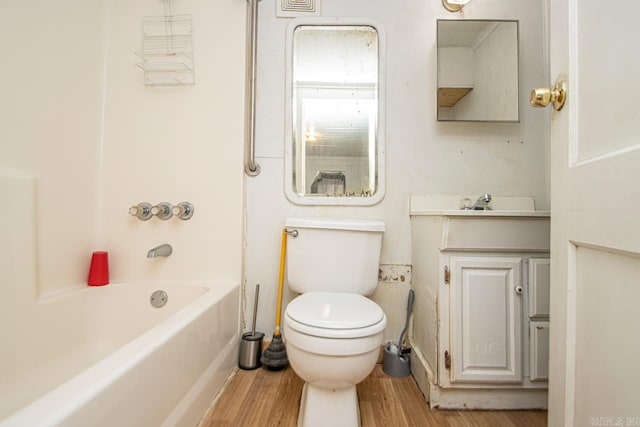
(332, 310)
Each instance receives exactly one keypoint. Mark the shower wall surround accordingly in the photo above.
(50, 131)
(423, 157)
(77, 117)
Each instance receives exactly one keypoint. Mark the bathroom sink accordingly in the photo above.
(483, 213)
(512, 224)
(450, 206)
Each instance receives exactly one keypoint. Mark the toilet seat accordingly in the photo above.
(335, 315)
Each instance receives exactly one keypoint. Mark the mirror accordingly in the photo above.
(478, 71)
(334, 150)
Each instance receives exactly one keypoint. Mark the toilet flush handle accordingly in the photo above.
(292, 233)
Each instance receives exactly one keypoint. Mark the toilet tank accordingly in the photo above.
(333, 255)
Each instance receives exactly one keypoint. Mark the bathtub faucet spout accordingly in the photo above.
(163, 250)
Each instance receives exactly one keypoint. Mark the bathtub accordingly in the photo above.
(103, 356)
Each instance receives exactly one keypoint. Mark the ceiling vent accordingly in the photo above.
(294, 8)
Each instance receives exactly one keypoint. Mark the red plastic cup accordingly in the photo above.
(99, 270)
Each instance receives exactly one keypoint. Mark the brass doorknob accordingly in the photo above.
(541, 97)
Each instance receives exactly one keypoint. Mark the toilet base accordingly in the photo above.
(321, 407)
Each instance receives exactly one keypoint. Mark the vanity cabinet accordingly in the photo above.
(482, 309)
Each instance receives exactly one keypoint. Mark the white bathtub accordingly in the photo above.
(103, 356)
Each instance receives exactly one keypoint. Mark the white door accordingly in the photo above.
(486, 319)
(595, 205)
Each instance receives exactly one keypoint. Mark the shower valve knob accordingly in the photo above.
(162, 210)
(184, 210)
(142, 211)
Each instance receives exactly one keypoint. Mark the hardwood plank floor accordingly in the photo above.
(263, 398)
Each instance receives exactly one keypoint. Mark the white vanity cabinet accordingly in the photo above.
(481, 322)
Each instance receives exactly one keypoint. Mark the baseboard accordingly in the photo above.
(496, 399)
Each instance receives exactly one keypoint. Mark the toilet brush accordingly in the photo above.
(274, 356)
(395, 361)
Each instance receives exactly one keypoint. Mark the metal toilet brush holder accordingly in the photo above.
(250, 350)
(395, 361)
(251, 344)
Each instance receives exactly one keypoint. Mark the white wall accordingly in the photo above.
(423, 157)
(74, 114)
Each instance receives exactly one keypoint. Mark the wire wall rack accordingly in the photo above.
(166, 54)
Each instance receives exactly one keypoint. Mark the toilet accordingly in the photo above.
(332, 331)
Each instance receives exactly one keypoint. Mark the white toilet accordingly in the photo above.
(332, 332)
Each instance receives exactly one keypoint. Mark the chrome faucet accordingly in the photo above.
(163, 250)
(482, 203)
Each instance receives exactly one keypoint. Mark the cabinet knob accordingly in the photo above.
(518, 289)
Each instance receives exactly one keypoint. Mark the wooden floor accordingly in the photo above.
(263, 398)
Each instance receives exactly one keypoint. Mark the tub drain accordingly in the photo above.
(158, 299)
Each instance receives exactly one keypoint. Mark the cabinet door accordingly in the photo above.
(539, 287)
(486, 319)
(539, 349)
